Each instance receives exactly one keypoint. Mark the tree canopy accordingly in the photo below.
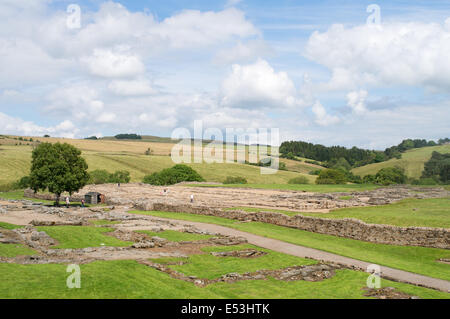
(58, 168)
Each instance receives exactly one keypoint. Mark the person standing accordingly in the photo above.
(192, 198)
(82, 203)
(67, 201)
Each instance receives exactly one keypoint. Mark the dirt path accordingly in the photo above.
(305, 252)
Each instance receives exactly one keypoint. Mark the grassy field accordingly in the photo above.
(9, 226)
(15, 162)
(306, 187)
(130, 280)
(412, 161)
(420, 260)
(212, 267)
(434, 212)
(13, 250)
(82, 237)
(176, 236)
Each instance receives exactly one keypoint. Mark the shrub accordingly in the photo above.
(299, 180)
(315, 172)
(368, 179)
(390, 175)
(176, 174)
(101, 176)
(120, 177)
(331, 176)
(235, 180)
(24, 182)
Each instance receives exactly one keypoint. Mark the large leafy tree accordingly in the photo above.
(58, 168)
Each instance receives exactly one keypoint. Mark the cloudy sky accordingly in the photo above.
(320, 71)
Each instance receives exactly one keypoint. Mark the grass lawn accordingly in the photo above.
(9, 226)
(433, 212)
(13, 250)
(175, 236)
(419, 260)
(82, 236)
(129, 279)
(295, 187)
(211, 267)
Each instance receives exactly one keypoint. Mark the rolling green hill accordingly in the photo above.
(113, 155)
(412, 161)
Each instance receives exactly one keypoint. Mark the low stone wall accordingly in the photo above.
(348, 228)
(45, 196)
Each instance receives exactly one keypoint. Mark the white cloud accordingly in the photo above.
(414, 54)
(356, 101)
(14, 125)
(258, 85)
(243, 52)
(110, 64)
(192, 28)
(131, 88)
(322, 117)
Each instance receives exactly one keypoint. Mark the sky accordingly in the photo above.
(366, 73)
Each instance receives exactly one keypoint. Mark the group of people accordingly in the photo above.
(68, 202)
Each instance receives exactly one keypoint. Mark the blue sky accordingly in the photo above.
(314, 69)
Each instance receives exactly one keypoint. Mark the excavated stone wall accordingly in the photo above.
(349, 228)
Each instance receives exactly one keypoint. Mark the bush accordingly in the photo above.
(24, 182)
(368, 179)
(331, 176)
(425, 181)
(315, 172)
(101, 176)
(177, 174)
(235, 180)
(120, 177)
(299, 180)
(390, 175)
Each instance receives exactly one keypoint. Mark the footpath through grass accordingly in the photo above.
(432, 212)
(419, 260)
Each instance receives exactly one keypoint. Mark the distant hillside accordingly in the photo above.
(112, 155)
(412, 161)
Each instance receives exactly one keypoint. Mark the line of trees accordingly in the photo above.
(355, 157)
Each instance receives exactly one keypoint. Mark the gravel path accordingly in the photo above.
(305, 252)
